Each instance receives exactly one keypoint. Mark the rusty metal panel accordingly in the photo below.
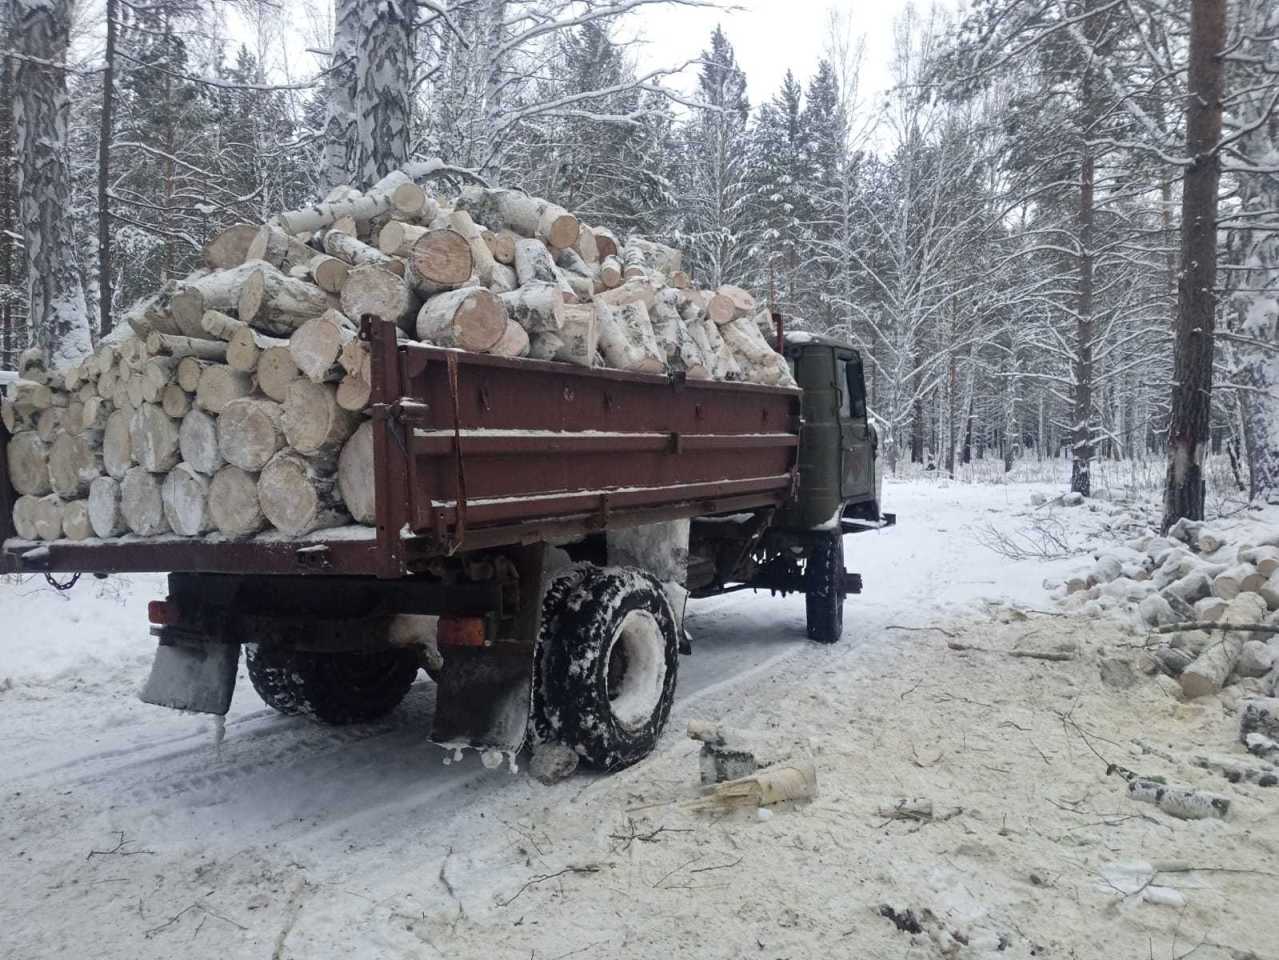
(138, 555)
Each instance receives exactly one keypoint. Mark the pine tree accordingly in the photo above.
(780, 183)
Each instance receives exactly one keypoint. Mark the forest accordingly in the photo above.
(1001, 233)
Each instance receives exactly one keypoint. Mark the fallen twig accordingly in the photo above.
(542, 878)
(1216, 625)
(117, 850)
(895, 626)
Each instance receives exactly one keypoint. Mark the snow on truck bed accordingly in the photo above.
(132, 832)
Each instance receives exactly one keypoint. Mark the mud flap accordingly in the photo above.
(483, 698)
(193, 676)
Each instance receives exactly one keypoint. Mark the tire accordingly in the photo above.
(824, 589)
(606, 665)
(333, 688)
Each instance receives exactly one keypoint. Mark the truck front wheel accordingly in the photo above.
(824, 589)
(606, 664)
(333, 688)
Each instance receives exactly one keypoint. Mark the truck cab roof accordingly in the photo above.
(797, 340)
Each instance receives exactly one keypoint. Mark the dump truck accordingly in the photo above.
(499, 484)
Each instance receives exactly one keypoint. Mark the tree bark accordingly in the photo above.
(1196, 289)
(106, 130)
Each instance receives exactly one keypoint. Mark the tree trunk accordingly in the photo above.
(106, 130)
(1196, 290)
(340, 136)
(383, 74)
(1081, 394)
(59, 317)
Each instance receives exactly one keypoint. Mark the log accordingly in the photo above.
(299, 495)
(617, 339)
(24, 517)
(152, 314)
(576, 289)
(215, 291)
(1183, 803)
(471, 318)
(282, 251)
(586, 246)
(1212, 668)
(723, 365)
(504, 279)
(94, 414)
(198, 442)
(639, 330)
(396, 238)
(75, 520)
(634, 262)
(276, 304)
(533, 263)
(501, 245)
(1259, 715)
(1264, 558)
(355, 474)
(153, 439)
(682, 351)
(28, 458)
(245, 348)
(720, 309)
(104, 508)
(141, 503)
(233, 503)
(545, 346)
(30, 396)
(32, 366)
(73, 465)
(219, 385)
(354, 392)
(743, 304)
(313, 422)
(230, 248)
(357, 254)
(134, 389)
(538, 307)
(250, 432)
(639, 290)
(185, 496)
(16, 418)
(440, 260)
(276, 370)
(758, 361)
(354, 358)
(317, 345)
(606, 244)
(513, 343)
(525, 215)
(579, 333)
(571, 261)
(188, 373)
(481, 255)
(157, 373)
(117, 445)
(171, 345)
(47, 517)
(310, 219)
(175, 401)
(49, 423)
(1241, 578)
(220, 326)
(372, 291)
(329, 273)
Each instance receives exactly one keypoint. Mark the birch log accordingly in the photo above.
(173, 345)
(329, 273)
(537, 307)
(233, 502)
(279, 249)
(533, 263)
(104, 508)
(216, 291)
(219, 385)
(440, 260)
(153, 439)
(471, 318)
(28, 458)
(250, 432)
(185, 496)
(513, 343)
(75, 520)
(73, 465)
(276, 370)
(396, 238)
(141, 503)
(481, 255)
(198, 442)
(47, 517)
(312, 421)
(579, 333)
(24, 517)
(277, 304)
(317, 345)
(230, 248)
(358, 254)
(355, 474)
(117, 445)
(1212, 668)
(372, 291)
(299, 495)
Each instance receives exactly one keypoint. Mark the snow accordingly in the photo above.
(135, 832)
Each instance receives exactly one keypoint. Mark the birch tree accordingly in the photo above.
(58, 314)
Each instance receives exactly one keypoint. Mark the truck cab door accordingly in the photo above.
(857, 441)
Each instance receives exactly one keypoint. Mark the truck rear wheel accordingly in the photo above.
(606, 664)
(333, 688)
(824, 589)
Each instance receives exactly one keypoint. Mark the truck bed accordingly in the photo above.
(475, 451)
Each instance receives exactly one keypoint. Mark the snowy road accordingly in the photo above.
(87, 767)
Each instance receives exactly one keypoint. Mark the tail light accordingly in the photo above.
(163, 613)
(460, 632)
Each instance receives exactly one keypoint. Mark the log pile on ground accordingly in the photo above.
(230, 401)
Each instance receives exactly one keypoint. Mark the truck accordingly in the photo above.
(499, 484)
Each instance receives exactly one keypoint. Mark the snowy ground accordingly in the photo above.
(129, 832)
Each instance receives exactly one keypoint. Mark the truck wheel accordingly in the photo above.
(824, 589)
(606, 664)
(331, 687)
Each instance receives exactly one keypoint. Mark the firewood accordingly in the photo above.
(250, 432)
(502, 245)
(24, 517)
(16, 418)
(73, 465)
(1184, 803)
(49, 423)
(545, 346)
(533, 263)
(277, 248)
(355, 474)
(185, 496)
(471, 318)
(638, 290)
(354, 392)
(358, 254)
(481, 255)
(300, 494)
(230, 248)
(513, 343)
(579, 333)
(634, 263)
(157, 373)
(276, 370)
(586, 246)
(354, 358)
(576, 289)
(117, 445)
(329, 273)
(47, 517)
(277, 304)
(743, 303)
(105, 517)
(525, 215)
(372, 291)
(622, 339)
(571, 261)
(606, 243)
(175, 401)
(219, 385)
(440, 260)
(198, 442)
(1241, 578)
(233, 502)
(313, 422)
(639, 329)
(317, 345)
(309, 219)
(32, 366)
(153, 439)
(504, 279)
(682, 351)
(1212, 668)
(94, 414)
(537, 307)
(215, 291)
(32, 396)
(1259, 715)
(720, 309)
(28, 458)
(169, 345)
(153, 314)
(75, 520)
(396, 238)
(245, 348)
(188, 373)
(1264, 558)
(141, 503)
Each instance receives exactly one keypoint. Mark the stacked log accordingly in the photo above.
(232, 400)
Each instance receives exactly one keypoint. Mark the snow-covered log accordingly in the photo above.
(317, 345)
(313, 422)
(185, 495)
(372, 291)
(277, 304)
(233, 502)
(537, 307)
(440, 260)
(198, 442)
(471, 318)
(142, 504)
(250, 432)
(300, 494)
